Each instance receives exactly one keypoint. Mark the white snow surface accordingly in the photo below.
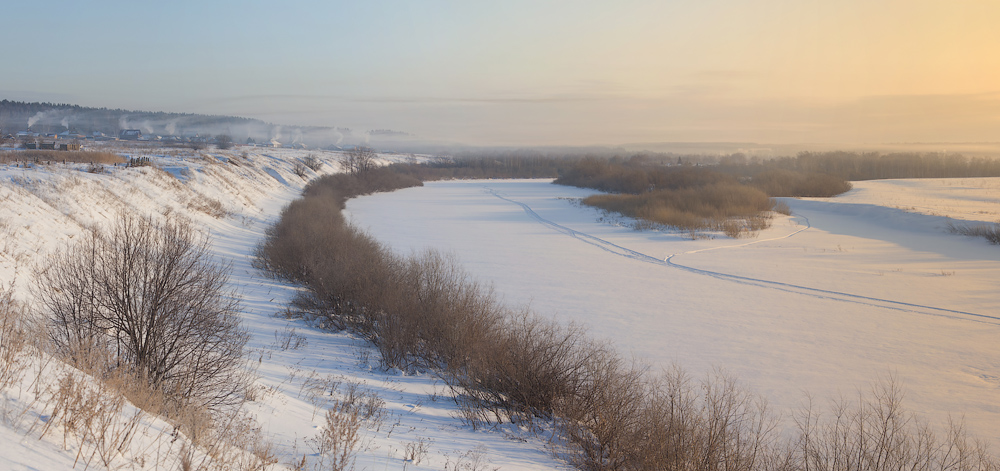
(233, 196)
(844, 291)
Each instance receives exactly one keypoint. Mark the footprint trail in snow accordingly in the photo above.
(767, 284)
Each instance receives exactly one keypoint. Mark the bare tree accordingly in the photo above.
(223, 141)
(300, 169)
(313, 162)
(150, 297)
(358, 160)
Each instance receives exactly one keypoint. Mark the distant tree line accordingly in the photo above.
(493, 166)
(858, 166)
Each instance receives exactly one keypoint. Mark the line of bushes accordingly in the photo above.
(793, 183)
(856, 166)
(507, 364)
(86, 157)
(496, 166)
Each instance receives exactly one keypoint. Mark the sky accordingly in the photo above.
(555, 72)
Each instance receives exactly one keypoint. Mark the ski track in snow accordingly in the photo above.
(767, 284)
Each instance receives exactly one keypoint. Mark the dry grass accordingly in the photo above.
(990, 232)
(110, 417)
(207, 205)
(337, 444)
(16, 339)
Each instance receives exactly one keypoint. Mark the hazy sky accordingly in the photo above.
(530, 72)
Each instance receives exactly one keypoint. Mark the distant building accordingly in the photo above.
(71, 135)
(130, 135)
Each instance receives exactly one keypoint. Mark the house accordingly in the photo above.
(130, 135)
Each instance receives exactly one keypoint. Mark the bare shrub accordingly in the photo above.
(289, 339)
(416, 451)
(313, 162)
(627, 421)
(223, 141)
(732, 228)
(781, 207)
(358, 160)
(472, 460)
(525, 367)
(149, 296)
(601, 418)
(300, 169)
(875, 432)
(433, 315)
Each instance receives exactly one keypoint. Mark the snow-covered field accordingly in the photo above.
(846, 290)
(233, 195)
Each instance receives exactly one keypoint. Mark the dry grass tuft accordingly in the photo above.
(990, 232)
(336, 444)
(15, 339)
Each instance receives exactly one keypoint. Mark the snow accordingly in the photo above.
(846, 290)
(234, 195)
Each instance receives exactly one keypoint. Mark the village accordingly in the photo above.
(73, 140)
